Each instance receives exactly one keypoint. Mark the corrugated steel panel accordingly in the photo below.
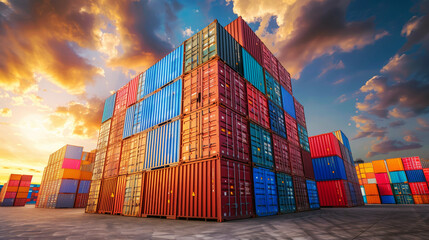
(121, 99)
(421, 199)
(277, 119)
(333, 193)
(394, 164)
(404, 199)
(245, 36)
(373, 199)
(129, 122)
(73, 152)
(284, 78)
(329, 168)
(291, 130)
(401, 188)
(161, 73)
(419, 188)
(100, 156)
(81, 200)
(426, 172)
(163, 146)
(120, 193)
(257, 106)
(387, 199)
(113, 157)
(273, 90)
(285, 193)
(215, 131)
(288, 103)
(19, 202)
(412, 163)
(301, 196)
(260, 141)
(353, 194)
(342, 138)
(215, 189)
(137, 154)
(107, 195)
(324, 145)
(253, 72)
(84, 186)
(26, 178)
(415, 176)
(270, 62)
(313, 196)
(300, 116)
(371, 189)
(160, 193)
(214, 83)
(303, 138)
(133, 195)
(385, 189)
(94, 193)
(109, 106)
(65, 200)
(265, 192)
(133, 86)
(382, 178)
(69, 186)
(296, 160)
(71, 163)
(281, 154)
(158, 108)
(307, 164)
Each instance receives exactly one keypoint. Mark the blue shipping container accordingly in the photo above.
(329, 168)
(163, 146)
(109, 106)
(303, 138)
(73, 152)
(65, 201)
(277, 119)
(288, 103)
(129, 122)
(398, 177)
(273, 89)
(253, 72)
(390, 199)
(262, 151)
(84, 186)
(7, 202)
(158, 108)
(415, 176)
(265, 192)
(68, 186)
(404, 199)
(401, 188)
(364, 199)
(313, 196)
(353, 194)
(161, 73)
(286, 193)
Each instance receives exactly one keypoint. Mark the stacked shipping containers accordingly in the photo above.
(66, 179)
(334, 170)
(216, 139)
(33, 193)
(15, 191)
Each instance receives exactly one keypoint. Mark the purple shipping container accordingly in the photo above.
(68, 186)
(84, 186)
(65, 200)
(7, 202)
(73, 152)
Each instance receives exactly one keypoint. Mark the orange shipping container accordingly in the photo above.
(22, 195)
(371, 189)
(23, 190)
(15, 177)
(379, 166)
(370, 175)
(85, 175)
(12, 189)
(421, 199)
(394, 164)
(373, 199)
(69, 174)
(364, 181)
(120, 193)
(107, 195)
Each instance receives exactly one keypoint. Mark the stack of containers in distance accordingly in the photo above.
(383, 182)
(416, 179)
(334, 170)
(362, 189)
(398, 179)
(66, 179)
(33, 193)
(15, 191)
(369, 183)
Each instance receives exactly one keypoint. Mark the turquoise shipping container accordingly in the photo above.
(265, 190)
(253, 72)
(285, 193)
(109, 106)
(277, 119)
(401, 189)
(303, 138)
(313, 195)
(398, 177)
(288, 103)
(404, 199)
(329, 168)
(261, 146)
(273, 89)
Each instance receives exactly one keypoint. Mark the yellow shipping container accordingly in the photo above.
(369, 170)
(69, 174)
(394, 164)
(367, 165)
(339, 136)
(85, 175)
(363, 175)
(379, 166)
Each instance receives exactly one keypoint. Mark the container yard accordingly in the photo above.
(15, 191)
(33, 193)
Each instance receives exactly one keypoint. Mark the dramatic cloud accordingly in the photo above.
(397, 123)
(416, 29)
(5, 112)
(308, 29)
(423, 123)
(391, 146)
(368, 128)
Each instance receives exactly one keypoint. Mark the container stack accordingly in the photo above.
(33, 193)
(368, 183)
(334, 170)
(15, 191)
(211, 131)
(66, 179)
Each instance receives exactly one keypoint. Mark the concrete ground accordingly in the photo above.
(370, 222)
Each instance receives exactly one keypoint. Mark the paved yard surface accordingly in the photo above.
(371, 222)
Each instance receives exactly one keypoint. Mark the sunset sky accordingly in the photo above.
(361, 66)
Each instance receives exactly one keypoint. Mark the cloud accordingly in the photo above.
(5, 112)
(339, 81)
(342, 98)
(187, 32)
(416, 28)
(411, 138)
(397, 123)
(388, 146)
(423, 123)
(368, 128)
(332, 66)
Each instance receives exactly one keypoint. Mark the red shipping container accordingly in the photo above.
(385, 189)
(113, 156)
(301, 195)
(295, 160)
(270, 62)
(300, 116)
(334, 193)
(213, 132)
(20, 202)
(107, 195)
(324, 145)
(133, 86)
(257, 106)
(26, 178)
(214, 83)
(382, 178)
(120, 194)
(81, 200)
(307, 164)
(10, 195)
(25, 183)
(426, 172)
(160, 193)
(13, 183)
(244, 35)
(284, 78)
(121, 99)
(291, 129)
(218, 189)
(419, 188)
(412, 163)
(281, 154)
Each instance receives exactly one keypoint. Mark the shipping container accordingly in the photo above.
(113, 157)
(303, 138)
(373, 199)
(71, 163)
(296, 160)
(401, 188)
(382, 178)
(94, 192)
(286, 193)
(68, 186)
(107, 195)
(119, 196)
(345, 154)
(137, 153)
(213, 132)
(333, 193)
(385, 189)
(291, 130)
(244, 35)
(133, 194)
(404, 199)
(412, 163)
(394, 164)
(329, 168)
(129, 122)
(210, 42)
(419, 188)
(261, 147)
(253, 72)
(426, 173)
(270, 62)
(218, 189)
(324, 145)
(257, 107)
(65, 200)
(421, 199)
(160, 193)
(109, 106)
(307, 164)
(284, 78)
(273, 89)
(387, 199)
(288, 103)
(100, 156)
(72, 152)
(133, 87)
(81, 200)
(84, 186)
(281, 154)
(379, 166)
(313, 196)
(265, 189)
(415, 176)
(299, 112)
(301, 196)
(371, 189)
(343, 139)
(277, 120)
(398, 177)
(161, 73)
(163, 146)
(20, 202)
